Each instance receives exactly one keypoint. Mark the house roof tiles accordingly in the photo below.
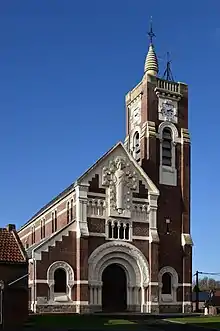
(11, 249)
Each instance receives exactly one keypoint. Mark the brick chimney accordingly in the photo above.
(11, 227)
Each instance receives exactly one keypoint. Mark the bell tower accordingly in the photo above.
(158, 138)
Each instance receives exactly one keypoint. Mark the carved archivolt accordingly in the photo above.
(63, 265)
(174, 281)
(173, 274)
(128, 256)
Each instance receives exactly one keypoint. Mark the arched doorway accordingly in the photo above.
(114, 288)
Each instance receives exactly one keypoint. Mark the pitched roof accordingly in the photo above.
(11, 249)
(71, 188)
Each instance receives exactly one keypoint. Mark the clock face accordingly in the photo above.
(168, 110)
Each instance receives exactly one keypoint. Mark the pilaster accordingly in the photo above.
(82, 231)
(81, 209)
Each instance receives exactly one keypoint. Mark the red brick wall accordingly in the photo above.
(143, 245)
(94, 242)
(64, 250)
(61, 221)
(84, 243)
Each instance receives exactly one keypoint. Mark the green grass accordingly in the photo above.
(80, 322)
(211, 322)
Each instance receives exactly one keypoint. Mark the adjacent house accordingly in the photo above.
(13, 279)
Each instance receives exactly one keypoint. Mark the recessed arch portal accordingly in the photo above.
(131, 261)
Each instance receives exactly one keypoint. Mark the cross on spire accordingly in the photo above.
(151, 33)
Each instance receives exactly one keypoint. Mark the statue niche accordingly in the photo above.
(121, 181)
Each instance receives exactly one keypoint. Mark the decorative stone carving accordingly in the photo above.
(95, 207)
(125, 252)
(131, 260)
(174, 284)
(140, 212)
(64, 265)
(50, 277)
(172, 272)
(121, 181)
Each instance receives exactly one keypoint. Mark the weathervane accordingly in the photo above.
(150, 33)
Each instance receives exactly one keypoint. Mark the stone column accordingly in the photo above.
(143, 306)
(51, 290)
(135, 295)
(95, 295)
(99, 289)
(91, 299)
(129, 299)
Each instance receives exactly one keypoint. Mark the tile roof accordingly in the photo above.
(11, 249)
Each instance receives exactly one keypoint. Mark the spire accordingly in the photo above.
(151, 63)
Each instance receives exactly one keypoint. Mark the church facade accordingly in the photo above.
(118, 239)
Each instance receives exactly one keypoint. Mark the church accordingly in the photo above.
(118, 239)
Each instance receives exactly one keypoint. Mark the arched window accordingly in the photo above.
(166, 283)
(118, 230)
(136, 147)
(60, 281)
(54, 221)
(167, 147)
(33, 235)
(42, 229)
(68, 212)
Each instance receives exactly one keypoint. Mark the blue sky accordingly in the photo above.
(65, 67)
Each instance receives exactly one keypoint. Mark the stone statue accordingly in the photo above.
(119, 185)
(121, 180)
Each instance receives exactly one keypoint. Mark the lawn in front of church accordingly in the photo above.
(209, 322)
(91, 322)
(79, 322)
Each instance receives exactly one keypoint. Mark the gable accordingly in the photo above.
(95, 175)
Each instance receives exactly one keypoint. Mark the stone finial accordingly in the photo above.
(151, 63)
